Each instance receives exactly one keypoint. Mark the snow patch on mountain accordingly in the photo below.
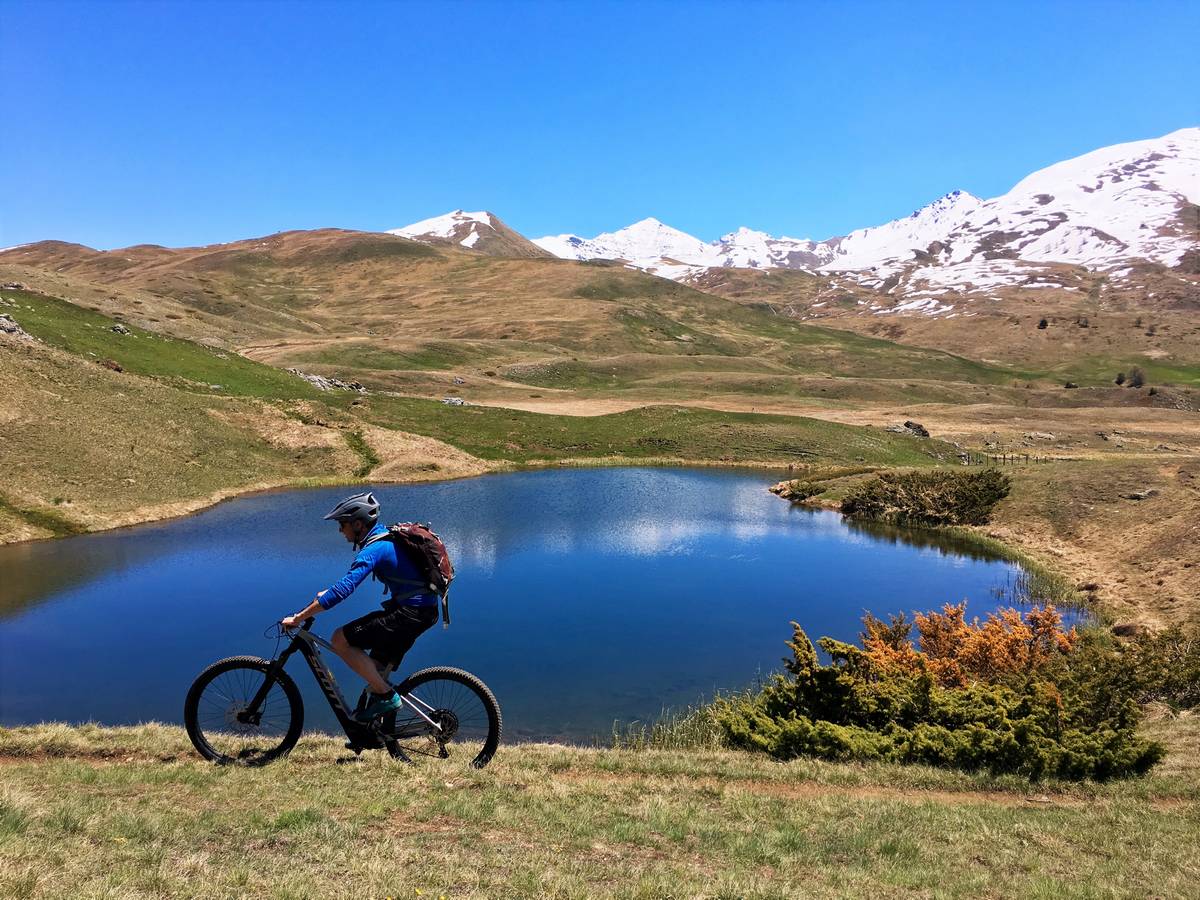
(571, 246)
(457, 224)
(926, 230)
(481, 231)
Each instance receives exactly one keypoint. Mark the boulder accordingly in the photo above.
(914, 428)
(120, 329)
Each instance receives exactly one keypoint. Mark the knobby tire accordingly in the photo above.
(215, 696)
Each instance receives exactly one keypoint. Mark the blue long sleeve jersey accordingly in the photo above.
(388, 564)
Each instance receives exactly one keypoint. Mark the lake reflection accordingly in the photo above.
(583, 596)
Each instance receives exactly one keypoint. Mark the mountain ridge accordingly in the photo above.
(1123, 203)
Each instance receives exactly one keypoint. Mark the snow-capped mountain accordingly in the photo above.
(1126, 203)
(1135, 201)
(1102, 210)
(749, 249)
(480, 231)
(648, 244)
(663, 250)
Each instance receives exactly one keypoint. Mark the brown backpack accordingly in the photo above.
(428, 553)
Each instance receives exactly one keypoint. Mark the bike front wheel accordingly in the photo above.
(228, 728)
(447, 713)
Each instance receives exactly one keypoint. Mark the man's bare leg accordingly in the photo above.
(360, 662)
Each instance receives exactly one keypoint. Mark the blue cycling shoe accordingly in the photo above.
(380, 705)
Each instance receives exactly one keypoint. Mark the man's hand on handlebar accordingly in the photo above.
(296, 620)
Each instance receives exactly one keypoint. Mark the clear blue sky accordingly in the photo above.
(191, 123)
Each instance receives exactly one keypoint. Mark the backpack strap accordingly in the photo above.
(418, 587)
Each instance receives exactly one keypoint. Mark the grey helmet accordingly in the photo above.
(360, 507)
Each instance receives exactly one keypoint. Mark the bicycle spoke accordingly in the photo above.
(226, 724)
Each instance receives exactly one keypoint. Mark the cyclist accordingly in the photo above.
(388, 633)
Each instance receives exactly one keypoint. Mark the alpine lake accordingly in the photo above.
(587, 599)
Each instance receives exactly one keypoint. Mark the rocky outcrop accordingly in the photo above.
(8, 325)
(328, 383)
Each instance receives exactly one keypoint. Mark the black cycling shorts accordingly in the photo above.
(390, 633)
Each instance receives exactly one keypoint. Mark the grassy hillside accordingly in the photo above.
(395, 314)
(88, 334)
(133, 812)
(83, 446)
(1093, 329)
(88, 446)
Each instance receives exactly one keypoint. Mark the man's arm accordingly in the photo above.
(311, 610)
(362, 566)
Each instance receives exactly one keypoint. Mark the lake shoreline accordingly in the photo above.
(180, 509)
(1020, 531)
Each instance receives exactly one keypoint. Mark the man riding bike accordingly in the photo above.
(388, 633)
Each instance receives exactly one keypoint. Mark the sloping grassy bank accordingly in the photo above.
(133, 812)
(102, 427)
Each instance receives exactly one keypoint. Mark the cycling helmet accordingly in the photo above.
(360, 507)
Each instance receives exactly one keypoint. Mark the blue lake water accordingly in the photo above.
(584, 596)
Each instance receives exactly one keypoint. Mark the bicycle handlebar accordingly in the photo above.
(307, 626)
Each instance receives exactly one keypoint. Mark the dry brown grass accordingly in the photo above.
(1138, 559)
(132, 812)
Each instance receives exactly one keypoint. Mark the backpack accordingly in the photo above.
(428, 554)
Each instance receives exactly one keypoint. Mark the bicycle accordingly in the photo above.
(247, 711)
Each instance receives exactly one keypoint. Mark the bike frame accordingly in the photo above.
(309, 645)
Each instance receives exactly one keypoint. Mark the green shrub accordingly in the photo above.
(1077, 720)
(1166, 668)
(934, 497)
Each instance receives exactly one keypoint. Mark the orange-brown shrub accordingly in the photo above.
(956, 652)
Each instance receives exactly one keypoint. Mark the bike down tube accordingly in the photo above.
(313, 655)
(308, 643)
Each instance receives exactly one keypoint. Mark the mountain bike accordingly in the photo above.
(247, 711)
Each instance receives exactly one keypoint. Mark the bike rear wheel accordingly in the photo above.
(221, 724)
(464, 710)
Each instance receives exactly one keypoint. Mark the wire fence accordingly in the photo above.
(970, 458)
